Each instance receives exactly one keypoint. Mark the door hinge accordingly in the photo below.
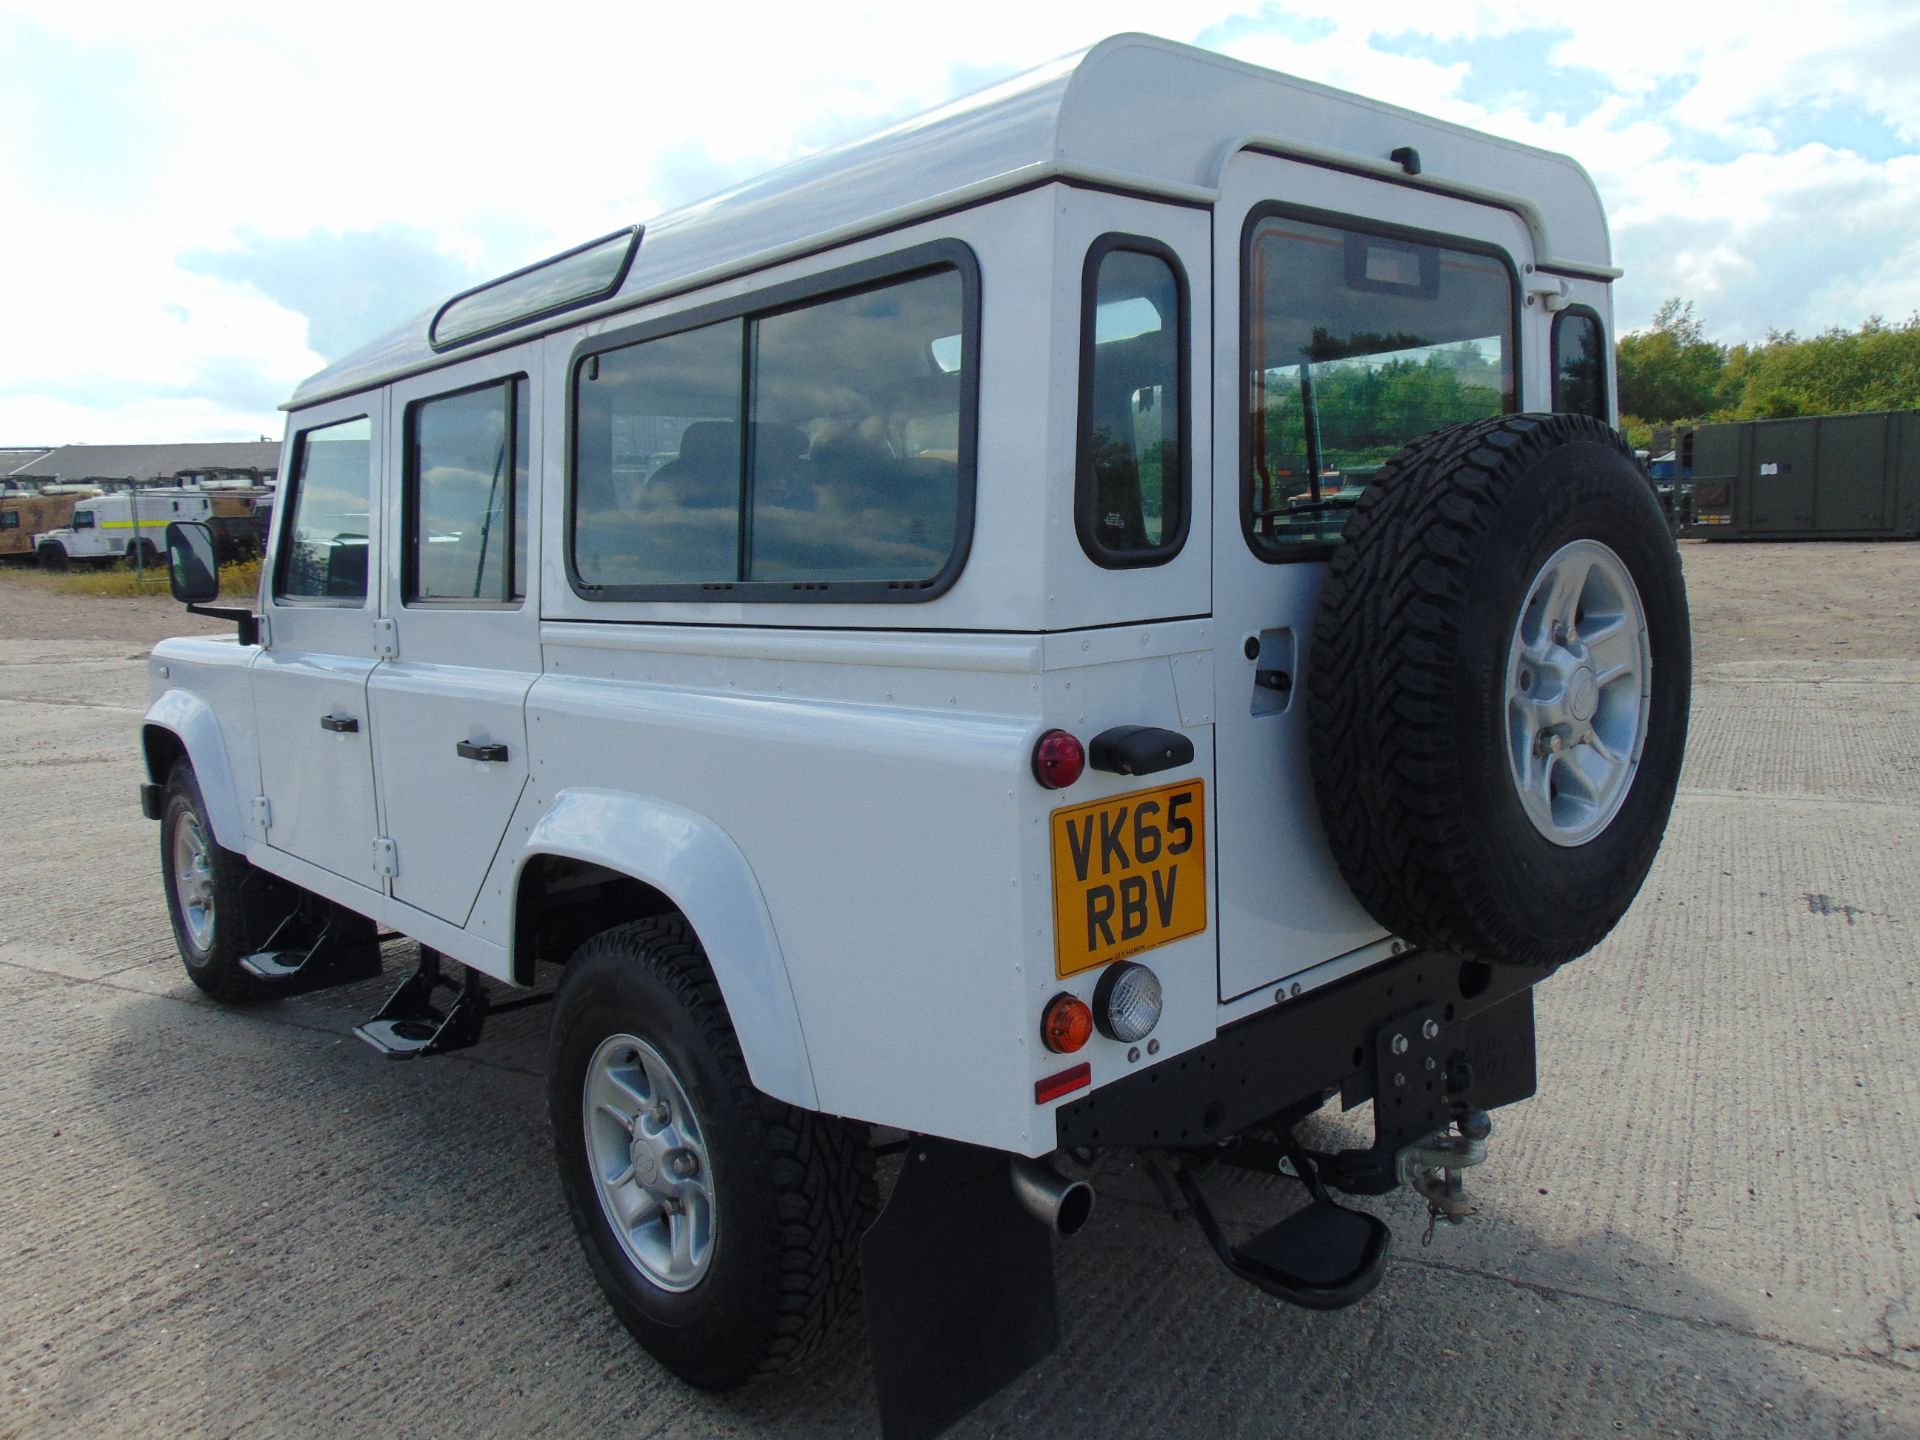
(263, 630)
(386, 639)
(263, 813)
(386, 860)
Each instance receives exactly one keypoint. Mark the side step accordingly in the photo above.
(1323, 1257)
(328, 962)
(410, 1026)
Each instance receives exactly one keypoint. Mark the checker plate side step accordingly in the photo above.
(410, 1026)
(328, 962)
(1322, 1257)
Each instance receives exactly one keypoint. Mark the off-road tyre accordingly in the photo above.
(794, 1190)
(53, 558)
(252, 909)
(1407, 688)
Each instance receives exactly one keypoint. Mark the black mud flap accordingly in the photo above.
(959, 1284)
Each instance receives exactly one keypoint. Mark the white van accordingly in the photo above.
(129, 525)
(1102, 617)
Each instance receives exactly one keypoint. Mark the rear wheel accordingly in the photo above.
(723, 1225)
(142, 554)
(1499, 689)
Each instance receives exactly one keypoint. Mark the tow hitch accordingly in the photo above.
(1432, 1167)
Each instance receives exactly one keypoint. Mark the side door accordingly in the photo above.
(1340, 337)
(310, 683)
(449, 705)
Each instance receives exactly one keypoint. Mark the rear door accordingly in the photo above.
(450, 702)
(1340, 337)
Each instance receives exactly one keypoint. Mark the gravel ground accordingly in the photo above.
(242, 1222)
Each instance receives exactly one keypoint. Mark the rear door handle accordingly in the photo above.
(467, 750)
(339, 724)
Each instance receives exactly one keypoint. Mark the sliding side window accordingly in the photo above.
(1130, 488)
(818, 449)
(1357, 342)
(467, 457)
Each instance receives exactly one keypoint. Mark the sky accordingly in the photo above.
(201, 203)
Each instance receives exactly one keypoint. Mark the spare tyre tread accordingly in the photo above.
(1382, 676)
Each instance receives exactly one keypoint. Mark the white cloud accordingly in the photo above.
(143, 134)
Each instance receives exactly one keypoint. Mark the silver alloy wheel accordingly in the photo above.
(1579, 682)
(648, 1154)
(193, 880)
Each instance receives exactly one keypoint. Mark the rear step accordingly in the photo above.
(321, 966)
(1323, 1257)
(411, 1027)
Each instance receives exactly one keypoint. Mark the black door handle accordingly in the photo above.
(339, 724)
(467, 750)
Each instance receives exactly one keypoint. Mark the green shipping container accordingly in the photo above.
(1831, 477)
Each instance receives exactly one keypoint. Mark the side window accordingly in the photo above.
(1130, 489)
(323, 553)
(83, 519)
(812, 450)
(9, 519)
(1356, 342)
(1579, 363)
(466, 479)
(657, 468)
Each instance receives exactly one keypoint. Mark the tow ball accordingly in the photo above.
(1433, 1164)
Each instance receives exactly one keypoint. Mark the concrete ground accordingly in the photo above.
(243, 1222)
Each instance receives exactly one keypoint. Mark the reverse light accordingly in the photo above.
(1127, 1002)
(1066, 1024)
(1058, 760)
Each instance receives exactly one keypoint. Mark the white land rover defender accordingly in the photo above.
(1108, 615)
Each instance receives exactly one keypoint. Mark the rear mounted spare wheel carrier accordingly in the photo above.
(1498, 689)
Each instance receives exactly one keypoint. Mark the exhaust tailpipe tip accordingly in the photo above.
(1062, 1205)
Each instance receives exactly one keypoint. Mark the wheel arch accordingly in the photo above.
(657, 858)
(181, 724)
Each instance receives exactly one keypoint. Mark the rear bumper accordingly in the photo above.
(1289, 1060)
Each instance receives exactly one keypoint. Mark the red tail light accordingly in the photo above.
(1058, 760)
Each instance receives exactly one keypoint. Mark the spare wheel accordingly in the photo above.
(1498, 689)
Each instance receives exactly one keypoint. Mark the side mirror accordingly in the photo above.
(193, 572)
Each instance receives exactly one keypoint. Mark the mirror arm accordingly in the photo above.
(248, 622)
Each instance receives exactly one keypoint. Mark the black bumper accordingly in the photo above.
(1364, 1036)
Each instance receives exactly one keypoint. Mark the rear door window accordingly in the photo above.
(1356, 342)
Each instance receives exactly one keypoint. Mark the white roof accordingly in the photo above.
(1133, 111)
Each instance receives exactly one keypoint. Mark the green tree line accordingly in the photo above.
(1673, 374)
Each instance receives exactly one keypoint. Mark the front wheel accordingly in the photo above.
(52, 557)
(204, 885)
(722, 1225)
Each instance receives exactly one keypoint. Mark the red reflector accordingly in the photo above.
(1065, 1083)
(1058, 760)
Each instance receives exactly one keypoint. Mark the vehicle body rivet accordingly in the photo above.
(1430, 1029)
(1400, 1079)
(1399, 1044)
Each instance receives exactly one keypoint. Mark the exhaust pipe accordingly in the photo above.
(1062, 1205)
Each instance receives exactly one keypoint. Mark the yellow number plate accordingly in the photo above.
(1129, 873)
